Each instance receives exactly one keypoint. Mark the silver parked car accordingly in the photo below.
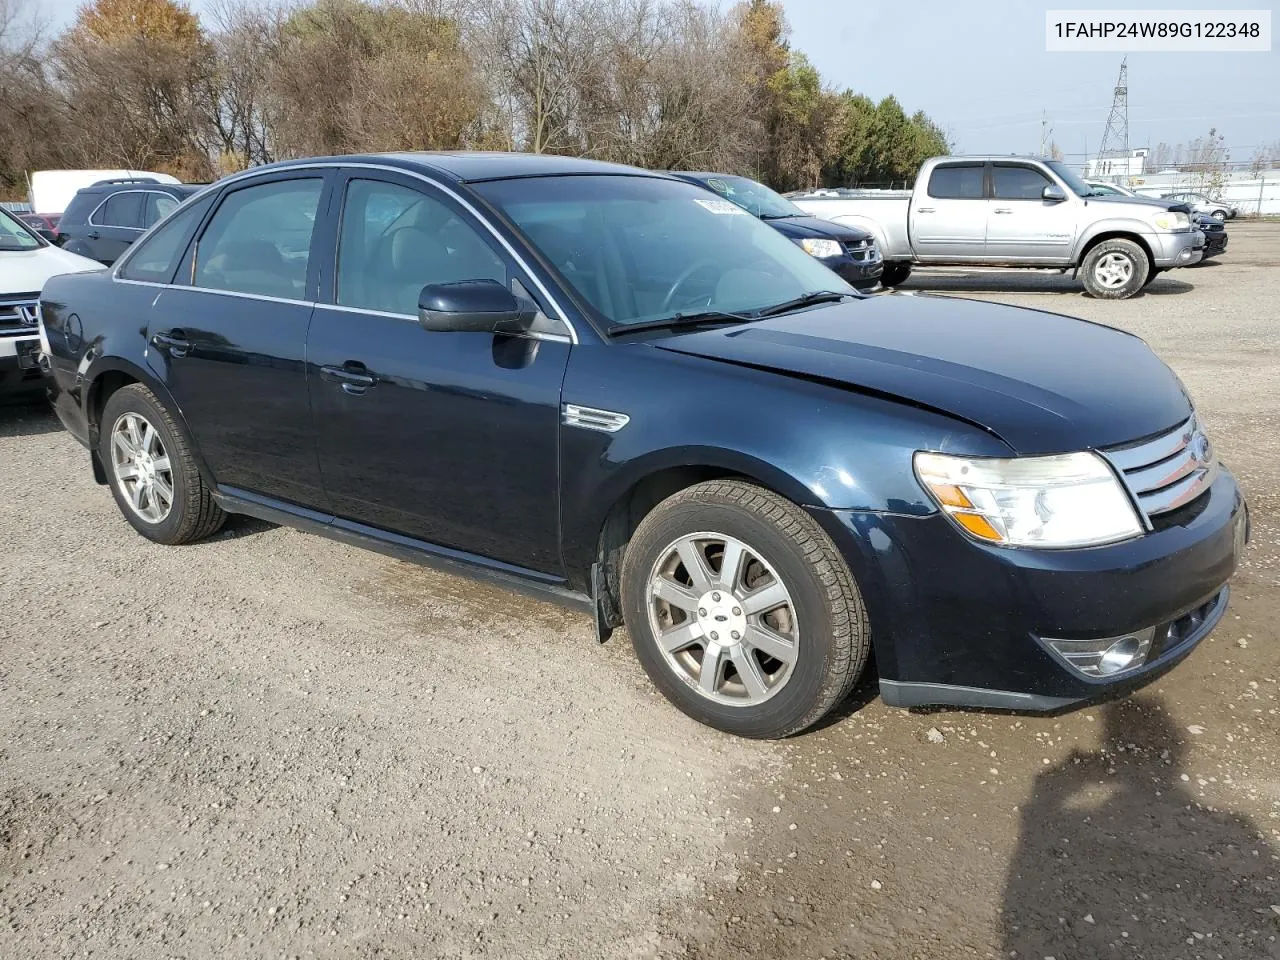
(1218, 209)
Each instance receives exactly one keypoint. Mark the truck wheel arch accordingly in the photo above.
(1115, 234)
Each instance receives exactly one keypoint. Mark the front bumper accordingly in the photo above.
(960, 623)
(1214, 244)
(861, 273)
(20, 370)
(1177, 249)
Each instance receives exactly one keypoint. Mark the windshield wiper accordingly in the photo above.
(816, 296)
(779, 216)
(702, 318)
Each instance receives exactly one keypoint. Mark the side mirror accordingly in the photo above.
(1053, 193)
(473, 306)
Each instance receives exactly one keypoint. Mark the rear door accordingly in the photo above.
(1023, 227)
(115, 224)
(229, 336)
(449, 438)
(949, 213)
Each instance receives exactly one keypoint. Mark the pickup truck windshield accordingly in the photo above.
(640, 249)
(14, 235)
(1070, 178)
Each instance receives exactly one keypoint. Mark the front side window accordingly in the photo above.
(15, 236)
(259, 240)
(637, 249)
(157, 208)
(120, 210)
(1018, 183)
(956, 181)
(154, 258)
(395, 240)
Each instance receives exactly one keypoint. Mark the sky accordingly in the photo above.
(980, 69)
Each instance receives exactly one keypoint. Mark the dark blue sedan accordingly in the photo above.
(849, 251)
(617, 390)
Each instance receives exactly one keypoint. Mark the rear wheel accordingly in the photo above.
(1115, 269)
(742, 611)
(1219, 215)
(894, 274)
(152, 472)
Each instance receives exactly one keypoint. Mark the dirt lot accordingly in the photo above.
(272, 745)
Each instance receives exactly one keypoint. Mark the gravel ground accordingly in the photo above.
(272, 745)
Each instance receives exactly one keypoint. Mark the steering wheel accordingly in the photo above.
(685, 275)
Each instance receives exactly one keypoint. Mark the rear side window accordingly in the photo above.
(1018, 183)
(123, 209)
(154, 258)
(157, 208)
(956, 181)
(259, 240)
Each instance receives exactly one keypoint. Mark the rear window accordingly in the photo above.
(956, 181)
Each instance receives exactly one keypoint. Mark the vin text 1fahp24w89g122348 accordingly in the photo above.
(615, 389)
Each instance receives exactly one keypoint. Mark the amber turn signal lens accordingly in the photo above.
(978, 525)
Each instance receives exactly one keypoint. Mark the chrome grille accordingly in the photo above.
(1169, 471)
(19, 315)
(863, 250)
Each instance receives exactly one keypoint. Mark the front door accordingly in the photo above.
(949, 214)
(229, 338)
(450, 438)
(115, 224)
(1022, 226)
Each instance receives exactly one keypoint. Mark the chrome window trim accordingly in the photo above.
(462, 201)
(111, 226)
(220, 293)
(410, 318)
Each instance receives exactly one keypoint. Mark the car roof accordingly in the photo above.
(475, 166)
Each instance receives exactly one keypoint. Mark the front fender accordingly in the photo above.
(1140, 229)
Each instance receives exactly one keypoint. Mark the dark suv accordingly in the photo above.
(102, 220)
(613, 389)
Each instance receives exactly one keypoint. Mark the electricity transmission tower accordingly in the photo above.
(1115, 140)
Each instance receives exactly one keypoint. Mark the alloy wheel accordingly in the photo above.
(1113, 270)
(723, 619)
(141, 466)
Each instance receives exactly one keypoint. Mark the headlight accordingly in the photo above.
(820, 248)
(1071, 500)
(1172, 220)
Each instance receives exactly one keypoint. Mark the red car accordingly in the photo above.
(41, 221)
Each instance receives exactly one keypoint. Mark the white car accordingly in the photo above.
(26, 262)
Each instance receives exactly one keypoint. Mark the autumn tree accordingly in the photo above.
(134, 75)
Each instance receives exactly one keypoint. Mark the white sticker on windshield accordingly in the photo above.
(723, 207)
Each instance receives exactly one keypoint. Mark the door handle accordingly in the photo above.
(175, 341)
(352, 375)
(93, 235)
(925, 209)
(1002, 210)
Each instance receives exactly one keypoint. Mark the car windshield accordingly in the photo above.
(1070, 178)
(755, 198)
(15, 235)
(641, 249)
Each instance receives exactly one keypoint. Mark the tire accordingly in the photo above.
(1152, 276)
(1219, 215)
(1115, 270)
(895, 274)
(138, 482)
(820, 632)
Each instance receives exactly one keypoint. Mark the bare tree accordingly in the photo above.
(246, 40)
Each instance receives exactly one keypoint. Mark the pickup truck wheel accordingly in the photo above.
(742, 611)
(1115, 269)
(151, 471)
(894, 274)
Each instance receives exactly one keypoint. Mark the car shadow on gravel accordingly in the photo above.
(1014, 282)
(27, 417)
(1118, 852)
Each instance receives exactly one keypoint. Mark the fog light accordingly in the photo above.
(1184, 255)
(1119, 656)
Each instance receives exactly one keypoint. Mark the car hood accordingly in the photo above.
(1159, 202)
(799, 228)
(25, 271)
(1042, 382)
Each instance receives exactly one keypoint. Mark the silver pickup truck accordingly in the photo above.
(1017, 212)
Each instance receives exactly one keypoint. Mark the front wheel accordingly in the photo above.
(741, 610)
(895, 274)
(1115, 269)
(1219, 215)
